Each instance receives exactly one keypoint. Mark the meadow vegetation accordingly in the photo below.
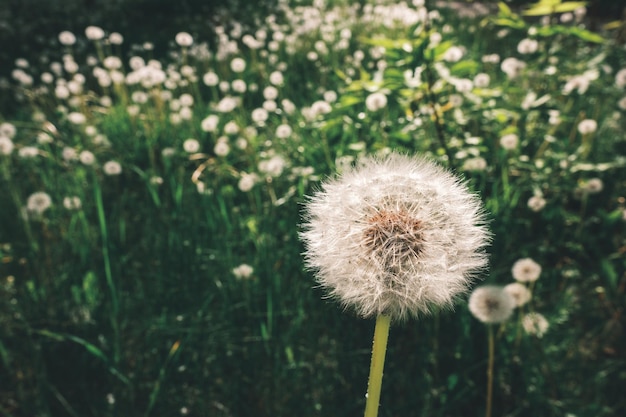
(150, 262)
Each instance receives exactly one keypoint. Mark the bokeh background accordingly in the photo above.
(151, 193)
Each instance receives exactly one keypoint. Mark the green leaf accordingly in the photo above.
(609, 273)
(90, 289)
(464, 68)
(91, 348)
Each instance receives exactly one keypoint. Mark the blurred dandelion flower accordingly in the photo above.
(593, 186)
(520, 293)
(536, 203)
(67, 38)
(243, 271)
(184, 39)
(6, 145)
(375, 102)
(587, 126)
(475, 164)
(509, 141)
(72, 203)
(94, 33)
(526, 270)
(491, 304)
(535, 324)
(8, 129)
(395, 236)
(191, 145)
(112, 168)
(38, 202)
(238, 65)
(527, 46)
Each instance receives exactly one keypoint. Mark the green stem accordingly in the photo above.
(381, 332)
(490, 371)
(108, 271)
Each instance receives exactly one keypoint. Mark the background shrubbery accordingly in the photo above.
(176, 285)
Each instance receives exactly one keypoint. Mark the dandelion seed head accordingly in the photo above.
(67, 38)
(535, 324)
(94, 33)
(376, 101)
(394, 235)
(6, 145)
(112, 168)
(520, 293)
(183, 39)
(536, 203)
(587, 126)
(38, 202)
(526, 270)
(491, 304)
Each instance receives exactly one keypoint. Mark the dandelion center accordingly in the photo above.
(394, 237)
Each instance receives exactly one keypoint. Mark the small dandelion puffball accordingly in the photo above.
(520, 293)
(396, 236)
(535, 324)
(526, 270)
(491, 304)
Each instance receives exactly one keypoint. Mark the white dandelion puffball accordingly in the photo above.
(535, 324)
(520, 293)
(526, 270)
(38, 202)
(587, 126)
(395, 235)
(491, 304)
(112, 168)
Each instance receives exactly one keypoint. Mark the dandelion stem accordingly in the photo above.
(490, 370)
(381, 332)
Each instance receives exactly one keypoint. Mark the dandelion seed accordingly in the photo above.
(520, 293)
(38, 202)
(394, 236)
(491, 304)
(526, 270)
(535, 324)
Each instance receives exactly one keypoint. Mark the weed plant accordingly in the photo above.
(149, 254)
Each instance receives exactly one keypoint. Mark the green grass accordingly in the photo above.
(129, 304)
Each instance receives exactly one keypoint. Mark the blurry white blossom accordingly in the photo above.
(526, 270)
